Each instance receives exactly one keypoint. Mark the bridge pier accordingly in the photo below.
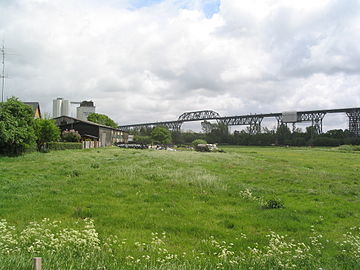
(255, 125)
(279, 121)
(354, 122)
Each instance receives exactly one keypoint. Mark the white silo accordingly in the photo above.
(57, 107)
(65, 108)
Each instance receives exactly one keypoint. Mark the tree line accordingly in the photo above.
(219, 133)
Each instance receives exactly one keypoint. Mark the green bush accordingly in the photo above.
(16, 127)
(273, 204)
(324, 141)
(142, 139)
(46, 131)
(63, 145)
(198, 141)
(161, 135)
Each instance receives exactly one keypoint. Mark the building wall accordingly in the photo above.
(82, 113)
(105, 136)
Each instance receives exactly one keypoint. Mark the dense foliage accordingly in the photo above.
(142, 139)
(16, 127)
(198, 141)
(46, 131)
(161, 135)
(102, 119)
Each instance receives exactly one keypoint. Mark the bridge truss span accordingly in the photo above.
(254, 120)
(199, 115)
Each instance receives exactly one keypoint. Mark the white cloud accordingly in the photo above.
(154, 62)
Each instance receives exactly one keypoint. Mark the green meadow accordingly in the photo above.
(247, 208)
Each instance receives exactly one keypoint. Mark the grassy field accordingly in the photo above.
(209, 209)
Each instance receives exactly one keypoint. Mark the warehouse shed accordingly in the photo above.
(105, 135)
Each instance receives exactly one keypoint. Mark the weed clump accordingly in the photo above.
(95, 165)
(82, 213)
(273, 204)
(75, 173)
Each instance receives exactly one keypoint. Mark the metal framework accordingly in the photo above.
(314, 117)
(354, 121)
(171, 125)
(199, 115)
(254, 120)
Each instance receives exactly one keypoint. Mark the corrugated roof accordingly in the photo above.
(89, 122)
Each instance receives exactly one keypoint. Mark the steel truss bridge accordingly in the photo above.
(254, 120)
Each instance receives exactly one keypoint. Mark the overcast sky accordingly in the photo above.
(151, 60)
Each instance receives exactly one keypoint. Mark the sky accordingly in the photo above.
(152, 60)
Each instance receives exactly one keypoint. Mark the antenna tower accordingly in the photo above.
(3, 72)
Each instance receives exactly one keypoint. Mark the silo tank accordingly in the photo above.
(65, 108)
(57, 107)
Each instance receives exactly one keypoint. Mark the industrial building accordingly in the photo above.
(62, 107)
(105, 135)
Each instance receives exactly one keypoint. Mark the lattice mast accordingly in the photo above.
(3, 71)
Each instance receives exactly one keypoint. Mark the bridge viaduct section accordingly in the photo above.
(254, 120)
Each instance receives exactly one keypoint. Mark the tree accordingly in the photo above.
(142, 139)
(218, 134)
(102, 119)
(207, 127)
(283, 134)
(161, 135)
(45, 131)
(16, 127)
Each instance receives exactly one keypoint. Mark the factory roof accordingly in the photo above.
(76, 120)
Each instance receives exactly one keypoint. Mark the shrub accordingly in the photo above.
(63, 145)
(16, 127)
(273, 204)
(71, 136)
(46, 130)
(161, 135)
(324, 141)
(198, 141)
(142, 139)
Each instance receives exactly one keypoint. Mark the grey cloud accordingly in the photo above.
(153, 63)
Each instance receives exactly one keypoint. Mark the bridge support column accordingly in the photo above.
(279, 121)
(354, 122)
(317, 124)
(255, 125)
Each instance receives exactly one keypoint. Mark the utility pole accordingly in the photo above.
(3, 72)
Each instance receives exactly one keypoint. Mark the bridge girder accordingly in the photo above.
(199, 115)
